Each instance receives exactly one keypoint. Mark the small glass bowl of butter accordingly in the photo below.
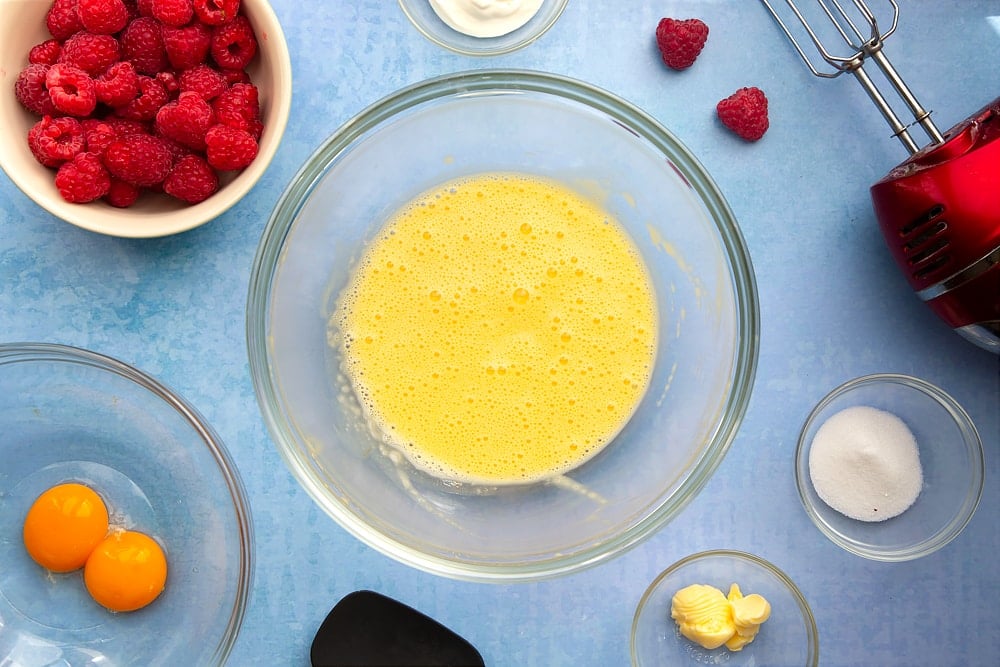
(482, 27)
(788, 636)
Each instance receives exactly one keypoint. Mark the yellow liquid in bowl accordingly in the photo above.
(500, 329)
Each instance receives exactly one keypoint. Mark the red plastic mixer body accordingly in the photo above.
(939, 212)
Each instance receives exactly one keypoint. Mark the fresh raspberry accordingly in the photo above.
(118, 85)
(204, 80)
(170, 81)
(239, 107)
(139, 159)
(97, 135)
(62, 19)
(680, 42)
(121, 194)
(228, 148)
(142, 43)
(234, 76)
(192, 180)
(83, 179)
(131, 10)
(30, 90)
(173, 12)
(233, 44)
(187, 46)
(46, 53)
(144, 7)
(56, 140)
(177, 149)
(745, 113)
(91, 53)
(71, 89)
(216, 12)
(186, 120)
(124, 127)
(102, 17)
(152, 95)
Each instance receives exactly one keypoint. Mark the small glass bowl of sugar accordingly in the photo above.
(889, 467)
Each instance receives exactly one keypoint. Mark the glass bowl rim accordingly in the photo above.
(812, 631)
(31, 352)
(973, 447)
(469, 84)
(486, 50)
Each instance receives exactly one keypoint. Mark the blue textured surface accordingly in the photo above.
(834, 306)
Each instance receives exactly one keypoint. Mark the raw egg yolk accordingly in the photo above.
(126, 571)
(64, 525)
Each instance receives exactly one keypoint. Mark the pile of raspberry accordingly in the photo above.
(142, 96)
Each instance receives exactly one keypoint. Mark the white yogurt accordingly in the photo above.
(485, 18)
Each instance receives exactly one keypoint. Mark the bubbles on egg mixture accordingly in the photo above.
(500, 329)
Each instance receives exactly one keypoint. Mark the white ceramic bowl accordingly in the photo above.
(70, 415)
(22, 25)
(425, 19)
(951, 458)
(788, 638)
(546, 126)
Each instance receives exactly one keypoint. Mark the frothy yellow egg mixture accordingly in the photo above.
(501, 329)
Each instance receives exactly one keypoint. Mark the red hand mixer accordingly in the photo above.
(939, 210)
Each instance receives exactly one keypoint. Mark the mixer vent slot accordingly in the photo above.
(922, 220)
(925, 243)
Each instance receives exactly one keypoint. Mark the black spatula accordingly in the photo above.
(367, 628)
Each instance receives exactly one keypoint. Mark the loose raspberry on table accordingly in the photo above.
(192, 180)
(83, 179)
(204, 80)
(233, 44)
(30, 90)
(103, 17)
(46, 53)
(142, 44)
(745, 113)
(152, 95)
(680, 41)
(239, 107)
(186, 46)
(56, 140)
(173, 12)
(118, 85)
(72, 91)
(186, 120)
(139, 159)
(216, 12)
(91, 53)
(62, 19)
(228, 148)
(122, 194)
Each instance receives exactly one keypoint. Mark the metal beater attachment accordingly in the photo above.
(860, 30)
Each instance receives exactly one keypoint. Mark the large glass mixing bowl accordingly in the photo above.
(547, 126)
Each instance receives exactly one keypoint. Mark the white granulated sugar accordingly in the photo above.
(864, 463)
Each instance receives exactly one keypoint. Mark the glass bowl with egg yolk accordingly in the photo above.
(502, 325)
(137, 502)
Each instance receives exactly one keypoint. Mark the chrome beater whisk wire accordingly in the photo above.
(866, 44)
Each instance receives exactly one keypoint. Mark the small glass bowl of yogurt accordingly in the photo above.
(788, 636)
(482, 27)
